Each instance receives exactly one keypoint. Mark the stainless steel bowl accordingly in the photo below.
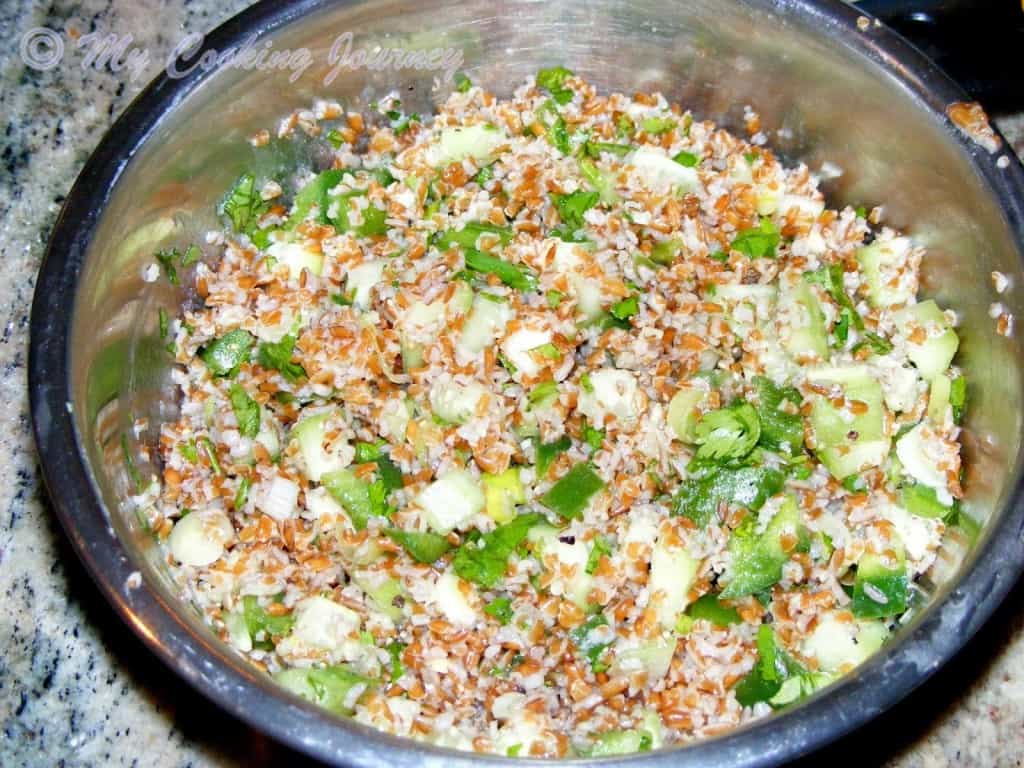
(827, 88)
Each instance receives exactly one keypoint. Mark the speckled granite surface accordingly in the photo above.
(76, 687)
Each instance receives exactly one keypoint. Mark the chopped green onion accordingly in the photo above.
(571, 494)
(242, 493)
(600, 548)
(166, 257)
(512, 275)
(548, 452)
(424, 547)
(211, 454)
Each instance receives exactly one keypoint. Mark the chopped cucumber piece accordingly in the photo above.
(922, 501)
(612, 392)
(297, 257)
(921, 452)
(198, 539)
(684, 410)
(938, 398)
(456, 403)
(382, 590)
(620, 743)
(881, 264)
(472, 141)
(756, 561)
(848, 443)
(362, 280)
(933, 355)
(659, 172)
(805, 333)
(316, 459)
(451, 501)
(335, 688)
(485, 321)
(839, 642)
(502, 493)
(673, 571)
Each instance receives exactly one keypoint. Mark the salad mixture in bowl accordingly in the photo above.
(565, 424)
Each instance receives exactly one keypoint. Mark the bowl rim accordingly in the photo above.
(251, 697)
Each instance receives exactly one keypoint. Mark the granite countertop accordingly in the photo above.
(76, 687)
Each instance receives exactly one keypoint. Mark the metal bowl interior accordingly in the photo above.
(826, 91)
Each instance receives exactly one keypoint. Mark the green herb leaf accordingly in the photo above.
(699, 498)
(554, 298)
(188, 450)
(278, 356)
(191, 256)
(593, 437)
(225, 355)
(831, 279)
(553, 80)
(395, 651)
(626, 308)
(571, 494)
(243, 204)
(335, 137)
(424, 547)
(403, 123)
(501, 609)
(591, 647)
(595, 148)
(483, 559)
(686, 159)
(877, 344)
(728, 433)
(462, 83)
(781, 430)
(247, 411)
(359, 498)
(759, 242)
(211, 453)
(842, 327)
(163, 323)
(572, 206)
(484, 175)
(257, 620)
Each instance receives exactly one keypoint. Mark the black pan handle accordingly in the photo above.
(979, 43)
